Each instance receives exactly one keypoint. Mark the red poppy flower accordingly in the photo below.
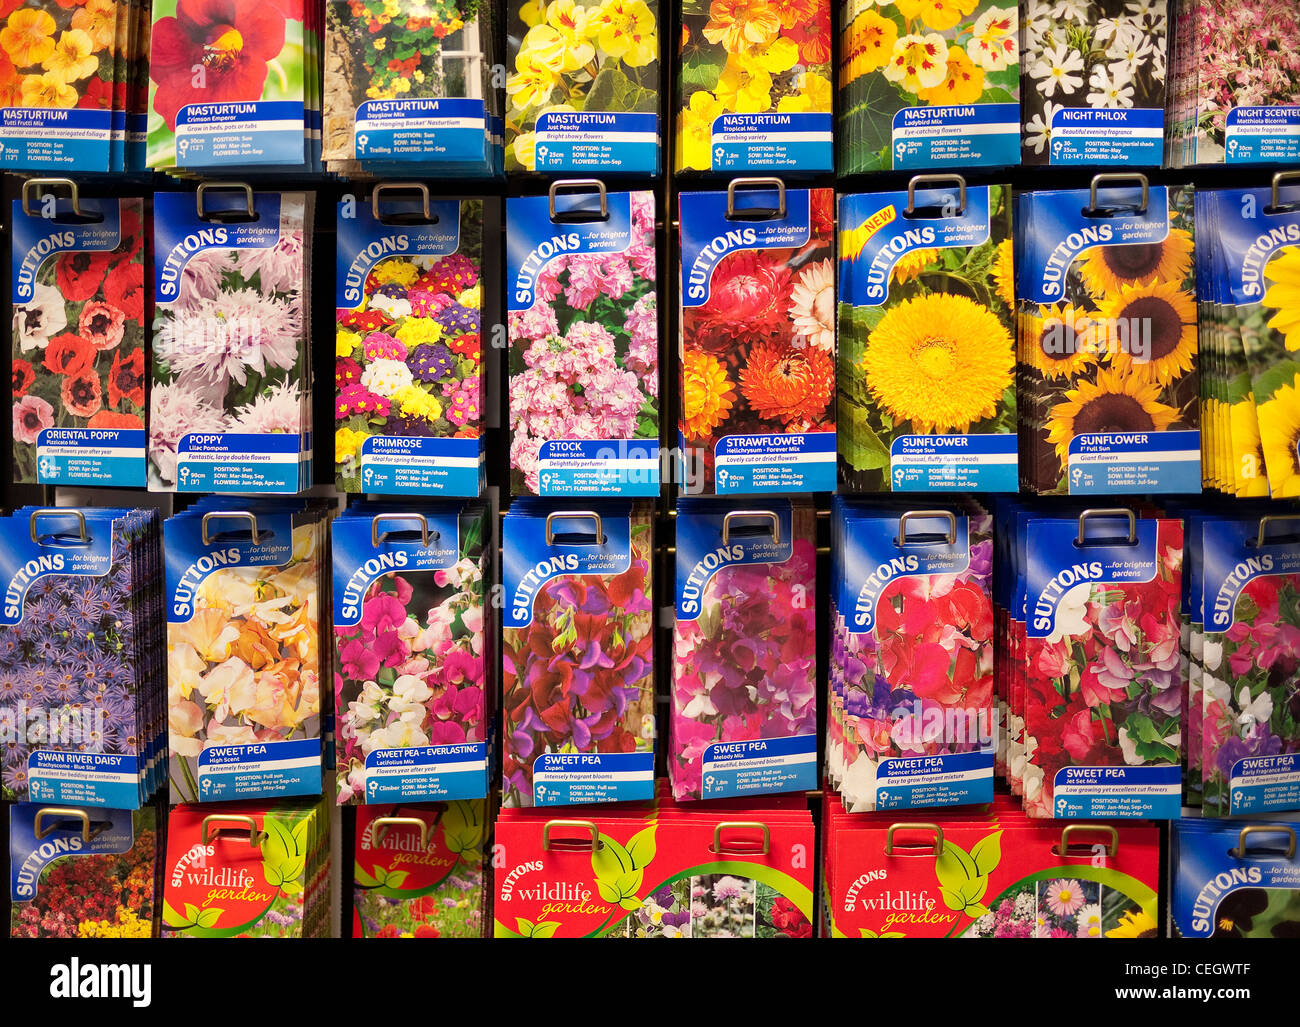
(81, 394)
(79, 274)
(231, 40)
(23, 376)
(112, 419)
(126, 379)
(124, 289)
(69, 354)
(427, 931)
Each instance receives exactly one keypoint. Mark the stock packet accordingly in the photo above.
(927, 397)
(411, 684)
(928, 85)
(578, 713)
(409, 385)
(1104, 691)
(1228, 884)
(419, 871)
(76, 873)
(80, 350)
(1109, 396)
(744, 706)
(584, 342)
(757, 342)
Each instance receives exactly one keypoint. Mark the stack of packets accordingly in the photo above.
(230, 407)
(80, 348)
(578, 713)
(74, 85)
(911, 717)
(411, 683)
(411, 84)
(1250, 319)
(82, 705)
(1235, 879)
(928, 85)
(235, 89)
(927, 397)
(409, 379)
(1109, 394)
(248, 870)
(420, 871)
(93, 873)
(582, 87)
(755, 88)
(731, 869)
(757, 341)
(744, 705)
(1093, 76)
(584, 343)
(988, 872)
(245, 590)
(1234, 95)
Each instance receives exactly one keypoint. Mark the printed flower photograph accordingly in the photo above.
(408, 361)
(723, 906)
(61, 55)
(80, 356)
(584, 358)
(1258, 913)
(665, 913)
(1062, 907)
(776, 916)
(748, 57)
(576, 56)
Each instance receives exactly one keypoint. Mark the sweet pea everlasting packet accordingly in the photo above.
(410, 680)
(1103, 678)
(928, 84)
(409, 382)
(1109, 394)
(927, 395)
(80, 353)
(419, 871)
(578, 654)
(582, 86)
(584, 344)
(1235, 879)
(755, 85)
(757, 340)
(89, 875)
(744, 713)
(230, 407)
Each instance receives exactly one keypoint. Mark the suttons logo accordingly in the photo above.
(183, 593)
(50, 563)
(198, 879)
(1225, 603)
(1052, 593)
(1215, 889)
(355, 589)
(1257, 255)
(50, 244)
(1058, 263)
(26, 876)
(375, 250)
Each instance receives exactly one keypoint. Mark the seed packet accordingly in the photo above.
(1103, 684)
(757, 340)
(754, 82)
(744, 711)
(411, 682)
(77, 873)
(582, 87)
(80, 352)
(584, 343)
(1235, 879)
(927, 396)
(1109, 396)
(578, 654)
(244, 592)
(1093, 77)
(247, 870)
(409, 383)
(419, 871)
(928, 85)
(230, 408)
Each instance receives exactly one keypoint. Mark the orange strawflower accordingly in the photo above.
(788, 384)
(707, 394)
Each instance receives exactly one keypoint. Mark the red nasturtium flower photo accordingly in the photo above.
(233, 41)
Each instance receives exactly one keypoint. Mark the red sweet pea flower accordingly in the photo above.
(232, 41)
(1085, 738)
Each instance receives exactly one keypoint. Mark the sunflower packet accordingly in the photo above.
(757, 339)
(927, 397)
(928, 84)
(1235, 879)
(1109, 395)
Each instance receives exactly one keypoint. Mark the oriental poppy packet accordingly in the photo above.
(927, 397)
(757, 340)
(80, 352)
(1235, 879)
(1109, 394)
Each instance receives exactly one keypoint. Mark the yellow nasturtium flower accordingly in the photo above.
(694, 130)
(918, 62)
(963, 83)
(642, 39)
(744, 87)
(28, 37)
(48, 90)
(532, 83)
(98, 19)
(570, 21)
(533, 12)
(780, 55)
(546, 46)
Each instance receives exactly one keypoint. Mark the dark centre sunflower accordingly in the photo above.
(1166, 328)
(1133, 262)
(1112, 412)
(1058, 340)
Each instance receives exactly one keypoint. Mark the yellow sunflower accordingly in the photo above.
(707, 394)
(1106, 268)
(1279, 431)
(1058, 341)
(1116, 403)
(1150, 330)
(1135, 924)
(1004, 275)
(910, 265)
(1248, 458)
(1284, 294)
(941, 362)
(1213, 423)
